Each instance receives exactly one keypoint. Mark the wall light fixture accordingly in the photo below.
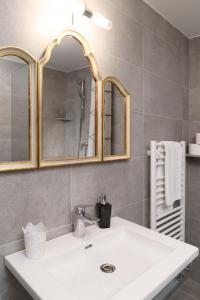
(79, 7)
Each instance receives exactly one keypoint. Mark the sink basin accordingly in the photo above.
(140, 262)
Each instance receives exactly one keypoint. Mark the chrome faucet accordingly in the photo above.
(81, 218)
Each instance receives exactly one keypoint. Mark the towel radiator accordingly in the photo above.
(168, 220)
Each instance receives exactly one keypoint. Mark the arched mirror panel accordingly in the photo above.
(18, 110)
(69, 92)
(116, 120)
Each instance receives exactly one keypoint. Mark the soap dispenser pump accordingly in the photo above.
(104, 212)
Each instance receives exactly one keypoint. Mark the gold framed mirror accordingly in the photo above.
(18, 110)
(69, 92)
(115, 120)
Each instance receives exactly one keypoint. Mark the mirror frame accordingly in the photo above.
(96, 76)
(127, 119)
(32, 64)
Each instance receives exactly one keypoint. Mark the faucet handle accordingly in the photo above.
(80, 209)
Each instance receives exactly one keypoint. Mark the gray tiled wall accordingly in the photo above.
(194, 164)
(151, 58)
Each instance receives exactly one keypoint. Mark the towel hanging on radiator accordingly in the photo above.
(173, 160)
(166, 219)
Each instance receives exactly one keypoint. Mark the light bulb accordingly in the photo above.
(101, 21)
(76, 6)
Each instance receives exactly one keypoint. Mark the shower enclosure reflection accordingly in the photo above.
(69, 104)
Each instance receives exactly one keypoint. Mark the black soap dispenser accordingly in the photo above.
(104, 212)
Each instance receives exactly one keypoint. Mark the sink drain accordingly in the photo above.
(107, 268)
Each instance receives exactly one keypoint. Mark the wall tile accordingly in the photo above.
(131, 213)
(152, 20)
(192, 287)
(195, 272)
(194, 108)
(133, 8)
(21, 32)
(128, 44)
(169, 100)
(45, 197)
(162, 59)
(194, 164)
(194, 127)
(130, 76)
(146, 213)
(137, 134)
(6, 280)
(159, 128)
(194, 172)
(90, 181)
(193, 232)
(146, 188)
(179, 294)
(185, 131)
(195, 72)
(15, 290)
(194, 203)
(173, 36)
(194, 46)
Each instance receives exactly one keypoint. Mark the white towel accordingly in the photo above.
(173, 169)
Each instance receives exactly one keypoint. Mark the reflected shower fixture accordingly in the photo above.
(79, 7)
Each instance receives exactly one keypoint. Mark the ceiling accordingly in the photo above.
(68, 56)
(183, 14)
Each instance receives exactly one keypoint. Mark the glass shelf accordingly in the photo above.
(63, 119)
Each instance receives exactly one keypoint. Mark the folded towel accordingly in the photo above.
(173, 169)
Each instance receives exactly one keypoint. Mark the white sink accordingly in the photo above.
(145, 262)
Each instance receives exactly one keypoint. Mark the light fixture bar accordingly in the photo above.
(79, 7)
(98, 19)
